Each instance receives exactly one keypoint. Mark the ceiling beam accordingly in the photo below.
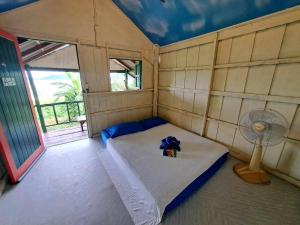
(43, 53)
(35, 48)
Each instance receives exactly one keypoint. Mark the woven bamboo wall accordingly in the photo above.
(107, 108)
(100, 30)
(207, 83)
(184, 83)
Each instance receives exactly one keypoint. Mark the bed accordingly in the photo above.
(150, 184)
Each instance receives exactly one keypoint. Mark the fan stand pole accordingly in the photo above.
(256, 158)
(252, 173)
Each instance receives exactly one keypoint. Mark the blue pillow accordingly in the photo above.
(124, 128)
(152, 122)
(104, 136)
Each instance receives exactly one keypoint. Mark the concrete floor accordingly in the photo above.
(69, 186)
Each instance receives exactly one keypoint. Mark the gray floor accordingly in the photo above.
(70, 186)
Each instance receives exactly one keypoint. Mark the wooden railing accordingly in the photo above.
(73, 106)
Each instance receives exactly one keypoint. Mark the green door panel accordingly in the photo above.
(15, 111)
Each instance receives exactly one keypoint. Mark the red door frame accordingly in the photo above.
(5, 151)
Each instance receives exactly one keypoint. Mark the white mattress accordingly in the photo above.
(147, 181)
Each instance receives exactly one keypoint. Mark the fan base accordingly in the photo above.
(251, 176)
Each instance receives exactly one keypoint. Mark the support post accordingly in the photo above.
(36, 99)
(126, 80)
(155, 79)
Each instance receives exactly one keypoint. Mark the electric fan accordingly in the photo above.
(262, 128)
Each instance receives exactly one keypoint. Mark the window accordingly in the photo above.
(125, 74)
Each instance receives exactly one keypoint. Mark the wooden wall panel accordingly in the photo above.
(225, 135)
(230, 109)
(236, 79)
(286, 109)
(286, 81)
(108, 102)
(295, 127)
(215, 107)
(147, 79)
(197, 124)
(289, 161)
(206, 54)
(268, 39)
(220, 78)
(181, 58)
(271, 155)
(167, 79)
(211, 129)
(190, 79)
(224, 49)
(259, 79)
(176, 99)
(200, 103)
(249, 104)
(185, 76)
(180, 77)
(241, 49)
(203, 79)
(255, 66)
(94, 64)
(95, 77)
(106, 119)
(188, 101)
(192, 56)
(291, 42)
(240, 144)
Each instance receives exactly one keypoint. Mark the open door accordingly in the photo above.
(20, 138)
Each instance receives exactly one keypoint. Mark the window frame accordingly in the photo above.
(126, 58)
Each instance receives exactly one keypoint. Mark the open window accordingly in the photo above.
(125, 74)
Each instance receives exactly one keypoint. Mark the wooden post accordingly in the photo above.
(212, 71)
(155, 80)
(138, 73)
(36, 99)
(126, 80)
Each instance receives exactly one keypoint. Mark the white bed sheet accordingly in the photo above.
(147, 181)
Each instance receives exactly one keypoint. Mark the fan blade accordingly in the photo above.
(260, 115)
(248, 133)
(274, 134)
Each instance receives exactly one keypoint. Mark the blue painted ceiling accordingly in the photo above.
(6, 5)
(176, 20)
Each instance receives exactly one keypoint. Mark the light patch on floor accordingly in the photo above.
(70, 186)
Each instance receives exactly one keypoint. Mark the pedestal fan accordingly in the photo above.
(262, 128)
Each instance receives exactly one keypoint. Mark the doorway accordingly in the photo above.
(53, 73)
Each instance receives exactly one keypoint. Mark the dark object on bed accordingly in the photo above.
(130, 127)
(170, 145)
(170, 153)
(196, 184)
(152, 122)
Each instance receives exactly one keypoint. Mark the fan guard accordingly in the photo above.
(275, 127)
(262, 128)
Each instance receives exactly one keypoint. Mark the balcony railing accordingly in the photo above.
(50, 115)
